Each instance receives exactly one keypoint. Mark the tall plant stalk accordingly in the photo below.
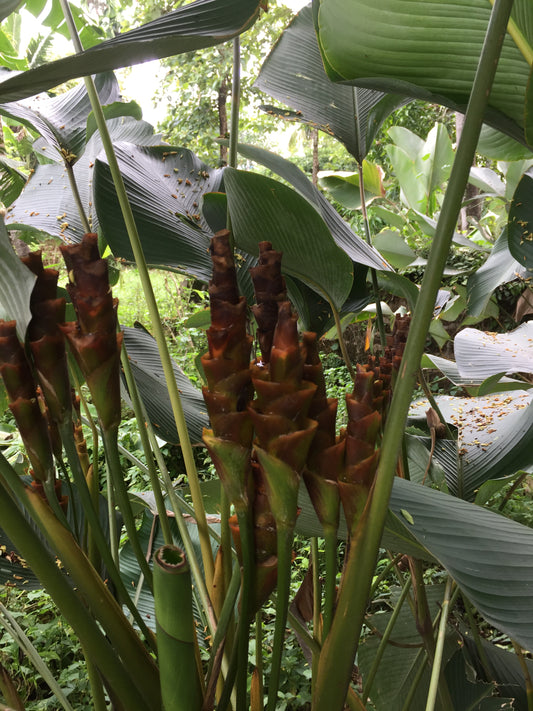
(175, 399)
(138, 693)
(339, 649)
(439, 649)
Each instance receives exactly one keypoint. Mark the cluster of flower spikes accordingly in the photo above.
(275, 424)
(291, 420)
(38, 385)
(367, 408)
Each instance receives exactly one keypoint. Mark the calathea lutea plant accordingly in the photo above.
(272, 427)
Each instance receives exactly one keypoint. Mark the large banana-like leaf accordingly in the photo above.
(426, 50)
(165, 186)
(62, 120)
(47, 203)
(480, 354)
(294, 74)
(354, 246)
(264, 209)
(493, 439)
(199, 24)
(500, 268)
(490, 557)
(148, 373)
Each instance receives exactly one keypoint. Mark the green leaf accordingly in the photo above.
(520, 224)
(429, 226)
(496, 145)
(400, 286)
(200, 319)
(114, 110)
(491, 487)
(61, 120)
(470, 695)
(344, 185)
(489, 556)
(264, 209)
(199, 24)
(401, 660)
(294, 74)
(493, 438)
(7, 7)
(415, 53)
(16, 285)
(438, 332)
(393, 247)
(504, 667)
(480, 354)
(420, 166)
(148, 373)
(47, 204)
(354, 246)
(12, 180)
(487, 180)
(165, 186)
(501, 267)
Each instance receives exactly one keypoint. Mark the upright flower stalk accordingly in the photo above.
(227, 394)
(95, 344)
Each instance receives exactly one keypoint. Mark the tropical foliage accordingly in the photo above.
(164, 612)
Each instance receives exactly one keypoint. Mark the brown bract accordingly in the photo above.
(93, 338)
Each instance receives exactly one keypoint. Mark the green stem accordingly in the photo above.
(421, 668)
(259, 653)
(340, 647)
(317, 593)
(434, 404)
(179, 506)
(302, 631)
(425, 627)
(375, 287)
(95, 528)
(33, 550)
(330, 584)
(19, 636)
(246, 604)
(384, 641)
(181, 687)
(225, 618)
(235, 104)
(110, 438)
(151, 303)
(95, 682)
(476, 637)
(386, 570)
(76, 195)
(141, 417)
(527, 676)
(439, 649)
(285, 538)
